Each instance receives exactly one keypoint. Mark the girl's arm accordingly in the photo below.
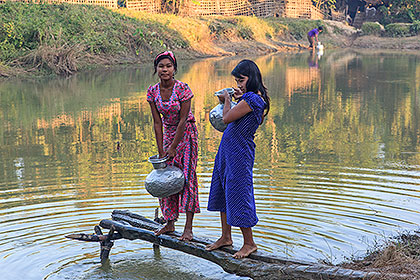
(237, 112)
(157, 125)
(183, 114)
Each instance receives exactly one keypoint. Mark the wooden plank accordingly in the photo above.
(140, 221)
(258, 266)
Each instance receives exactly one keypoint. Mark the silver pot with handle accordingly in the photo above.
(164, 180)
(216, 114)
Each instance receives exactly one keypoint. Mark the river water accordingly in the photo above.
(337, 163)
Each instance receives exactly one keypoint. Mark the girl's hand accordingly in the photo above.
(237, 93)
(171, 153)
(223, 96)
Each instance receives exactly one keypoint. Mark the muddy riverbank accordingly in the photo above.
(41, 40)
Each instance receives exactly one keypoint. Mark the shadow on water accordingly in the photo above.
(137, 265)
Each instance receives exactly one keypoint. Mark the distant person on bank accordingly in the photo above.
(313, 37)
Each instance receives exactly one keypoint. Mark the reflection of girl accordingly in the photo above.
(232, 191)
(313, 60)
(176, 137)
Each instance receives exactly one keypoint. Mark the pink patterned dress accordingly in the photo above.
(186, 151)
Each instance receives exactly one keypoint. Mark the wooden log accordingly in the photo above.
(106, 245)
(132, 226)
(98, 237)
(156, 248)
(140, 221)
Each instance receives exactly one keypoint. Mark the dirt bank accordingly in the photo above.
(342, 35)
(338, 35)
(41, 40)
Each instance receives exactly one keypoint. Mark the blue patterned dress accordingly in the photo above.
(232, 189)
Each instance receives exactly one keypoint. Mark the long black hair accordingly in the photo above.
(255, 84)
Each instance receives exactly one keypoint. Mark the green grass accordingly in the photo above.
(64, 38)
(415, 27)
(27, 27)
(397, 30)
(299, 28)
(371, 28)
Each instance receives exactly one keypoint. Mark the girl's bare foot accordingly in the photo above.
(187, 235)
(245, 251)
(221, 242)
(169, 227)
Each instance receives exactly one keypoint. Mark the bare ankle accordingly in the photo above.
(167, 228)
(226, 237)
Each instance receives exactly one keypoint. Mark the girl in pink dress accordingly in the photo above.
(176, 137)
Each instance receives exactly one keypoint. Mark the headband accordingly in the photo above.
(166, 54)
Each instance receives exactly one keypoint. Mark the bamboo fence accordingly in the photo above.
(216, 7)
(300, 9)
(259, 8)
(111, 4)
(151, 6)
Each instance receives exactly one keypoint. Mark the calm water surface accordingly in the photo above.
(337, 163)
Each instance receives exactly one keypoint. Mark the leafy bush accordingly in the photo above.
(384, 15)
(405, 10)
(415, 27)
(397, 30)
(394, 11)
(325, 4)
(371, 28)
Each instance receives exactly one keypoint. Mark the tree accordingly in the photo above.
(401, 11)
(325, 4)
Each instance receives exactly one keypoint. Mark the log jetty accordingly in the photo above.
(127, 225)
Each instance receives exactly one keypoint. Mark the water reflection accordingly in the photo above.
(337, 163)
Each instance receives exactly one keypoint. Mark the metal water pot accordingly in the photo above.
(216, 114)
(164, 180)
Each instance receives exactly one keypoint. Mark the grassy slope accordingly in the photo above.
(40, 39)
(61, 39)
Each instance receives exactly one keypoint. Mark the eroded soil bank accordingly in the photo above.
(39, 40)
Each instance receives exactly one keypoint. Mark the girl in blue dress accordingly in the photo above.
(231, 190)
